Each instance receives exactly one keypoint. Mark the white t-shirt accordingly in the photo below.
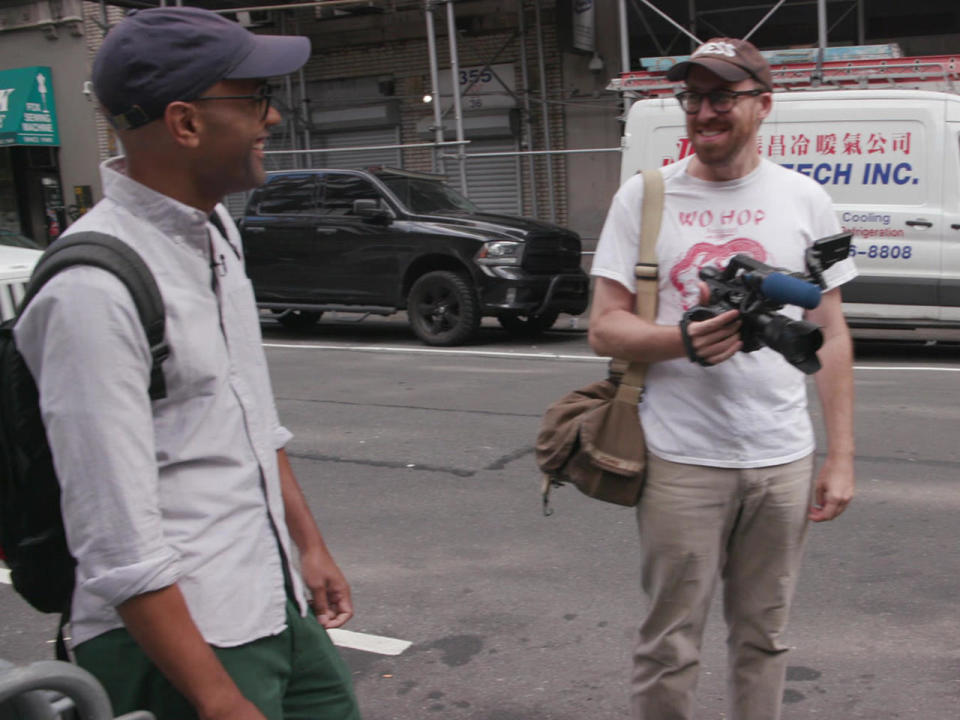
(750, 411)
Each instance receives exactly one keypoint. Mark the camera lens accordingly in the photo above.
(797, 340)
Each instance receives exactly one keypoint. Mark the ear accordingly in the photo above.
(766, 105)
(183, 123)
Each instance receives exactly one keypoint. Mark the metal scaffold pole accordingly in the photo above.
(434, 87)
(528, 126)
(624, 51)
(455, 85)
(545, 110)
(821, 37)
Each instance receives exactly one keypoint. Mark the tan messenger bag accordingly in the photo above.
(592, 437)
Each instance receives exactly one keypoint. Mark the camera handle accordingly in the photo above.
(695, 314)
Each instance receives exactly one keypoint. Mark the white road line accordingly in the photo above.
(437, 351)
(4, 576)
(534, 356)
(906, 368)
(368, 643)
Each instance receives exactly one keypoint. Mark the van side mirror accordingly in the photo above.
(371, 210)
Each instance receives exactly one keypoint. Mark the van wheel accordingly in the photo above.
(298, 319)
(443, 309)
(527, 325)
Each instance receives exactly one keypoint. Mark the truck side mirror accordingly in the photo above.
(371, 210)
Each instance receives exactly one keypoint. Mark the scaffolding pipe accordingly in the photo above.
(624, 52)
(545, 109)
(293, 6)
(528, 126)
(455, 83)
(362, 147)
(764, 19)
(673, 22)
(434, 87)
(575, 151)
(304, 100)
(290, 121)
(821, 38)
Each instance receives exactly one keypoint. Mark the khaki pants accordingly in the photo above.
(698, 524)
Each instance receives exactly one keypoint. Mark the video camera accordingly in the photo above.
(758, 290)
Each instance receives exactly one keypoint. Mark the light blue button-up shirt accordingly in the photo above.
(184, 490)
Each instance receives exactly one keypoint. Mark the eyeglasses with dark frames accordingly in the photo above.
(722, 101)
(263, 96)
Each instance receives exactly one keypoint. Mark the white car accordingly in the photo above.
(16, 264)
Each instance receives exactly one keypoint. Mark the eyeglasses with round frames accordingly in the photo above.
(262, 97)
(722, 101)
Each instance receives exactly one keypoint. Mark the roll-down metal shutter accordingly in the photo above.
(493, 183)
(357, 159)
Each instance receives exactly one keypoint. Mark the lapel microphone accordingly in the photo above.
(219, 267)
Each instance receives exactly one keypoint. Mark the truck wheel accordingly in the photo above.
(298, 319)
(527, 325)
(442, 308)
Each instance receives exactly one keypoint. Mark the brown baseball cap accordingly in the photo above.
(727, 58)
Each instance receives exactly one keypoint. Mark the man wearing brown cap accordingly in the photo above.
(180, 512)
(730, 487)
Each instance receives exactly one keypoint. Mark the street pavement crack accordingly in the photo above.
(504, 460)
(464, 411)
(391, 464)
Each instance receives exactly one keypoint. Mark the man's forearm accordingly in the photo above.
(303, 528)
(835, 388)
(161, 624)
(621, 334)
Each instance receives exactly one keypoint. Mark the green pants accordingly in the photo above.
(296, 675)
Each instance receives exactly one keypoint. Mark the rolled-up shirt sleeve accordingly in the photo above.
(85, 346)
(281, 436)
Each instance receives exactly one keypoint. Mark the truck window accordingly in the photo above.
(427, 196)
(288, 195)
(339, 192)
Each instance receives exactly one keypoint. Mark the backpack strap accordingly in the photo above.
(115, 256)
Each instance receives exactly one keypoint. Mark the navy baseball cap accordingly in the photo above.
(157, 56)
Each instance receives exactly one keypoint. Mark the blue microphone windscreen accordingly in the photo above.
(788, 290)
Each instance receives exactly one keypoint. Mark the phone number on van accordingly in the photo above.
(883, 252)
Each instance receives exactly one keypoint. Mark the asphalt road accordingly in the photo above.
(419, 466)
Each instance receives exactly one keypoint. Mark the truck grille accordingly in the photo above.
(11, 292)
(549, 254)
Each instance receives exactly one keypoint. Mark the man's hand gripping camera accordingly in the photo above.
(758, 290)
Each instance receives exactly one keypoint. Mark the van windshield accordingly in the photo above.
(426, 197)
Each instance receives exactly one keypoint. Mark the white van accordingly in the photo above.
(890, 159)
(16, 265)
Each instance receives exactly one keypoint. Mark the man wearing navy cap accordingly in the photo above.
(730, 485)
(181, 512)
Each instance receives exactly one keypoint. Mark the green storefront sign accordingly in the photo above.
(28, 112)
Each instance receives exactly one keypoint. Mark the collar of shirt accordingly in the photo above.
(181, 223)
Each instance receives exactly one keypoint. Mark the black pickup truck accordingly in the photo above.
(383, 240)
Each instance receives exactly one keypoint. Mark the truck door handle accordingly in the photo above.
(919, 223)
(325, 230)
(254, 229)
(955, 226)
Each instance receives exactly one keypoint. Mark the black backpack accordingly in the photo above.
(32, 537)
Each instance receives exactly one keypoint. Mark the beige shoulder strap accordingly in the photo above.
(646, 271)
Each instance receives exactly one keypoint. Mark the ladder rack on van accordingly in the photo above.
(929, 72)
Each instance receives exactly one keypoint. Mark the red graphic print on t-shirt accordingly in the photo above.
(684, 274)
